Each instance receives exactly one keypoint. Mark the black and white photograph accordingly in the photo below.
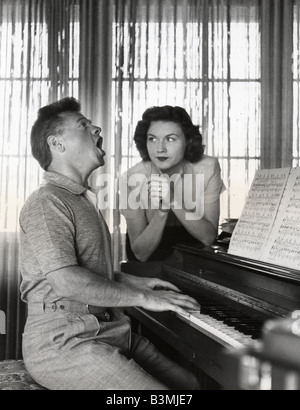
(150, 197)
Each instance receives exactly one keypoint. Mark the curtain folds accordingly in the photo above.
(39, 42)
(95, 76)
(228, 62)
(95, 62)
(185, 52)
(277, 83)
(296, 84)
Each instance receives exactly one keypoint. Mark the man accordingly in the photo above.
(76, 336)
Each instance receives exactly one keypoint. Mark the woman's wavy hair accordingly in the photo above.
(194, 148)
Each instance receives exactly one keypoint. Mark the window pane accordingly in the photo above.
(245, 119)
(26, 86)
(205, 57)
(245, 49)
(242, 174)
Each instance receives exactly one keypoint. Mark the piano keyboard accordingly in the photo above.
(227, 336)
(231, 324)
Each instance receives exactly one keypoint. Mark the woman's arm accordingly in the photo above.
(145, 238)
(205, 229)
(203, 225)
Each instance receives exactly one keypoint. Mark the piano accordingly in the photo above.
(237, 297)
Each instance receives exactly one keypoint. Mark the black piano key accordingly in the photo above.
(246, 323)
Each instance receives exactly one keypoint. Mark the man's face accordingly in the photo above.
(82, 142)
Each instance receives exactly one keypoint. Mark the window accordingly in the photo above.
(39, 63)
(185, 53)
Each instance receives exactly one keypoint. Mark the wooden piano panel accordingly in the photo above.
(268, 283)
(198, 349)
(275, 291)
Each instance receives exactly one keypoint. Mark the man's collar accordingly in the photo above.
(64, 182)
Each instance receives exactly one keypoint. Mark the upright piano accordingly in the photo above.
(237, 296)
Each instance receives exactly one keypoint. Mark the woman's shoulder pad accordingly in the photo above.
(142, 167)
(206, 161)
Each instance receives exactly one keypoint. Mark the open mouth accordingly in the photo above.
(99, 145)
(162, 159)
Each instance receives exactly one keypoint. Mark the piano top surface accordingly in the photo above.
(276, 288)
(221, 256)
(272, 284)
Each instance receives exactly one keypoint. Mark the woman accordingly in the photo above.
(171, 149)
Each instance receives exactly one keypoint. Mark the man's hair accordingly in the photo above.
(194, 148)
(49, 122)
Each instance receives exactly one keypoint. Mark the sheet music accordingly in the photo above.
(253, 228)
(283, 247)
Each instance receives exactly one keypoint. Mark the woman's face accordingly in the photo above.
(166, 144)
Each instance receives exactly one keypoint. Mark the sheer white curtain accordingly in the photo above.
(39, 63)
(204, 55)
(228, 62)
(277, 83)
(49, 49)
(296, 83)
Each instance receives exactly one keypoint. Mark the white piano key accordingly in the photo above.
(216, 330)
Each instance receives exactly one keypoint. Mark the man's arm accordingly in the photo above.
(144, 283)
(47, 219)
(83, 286)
